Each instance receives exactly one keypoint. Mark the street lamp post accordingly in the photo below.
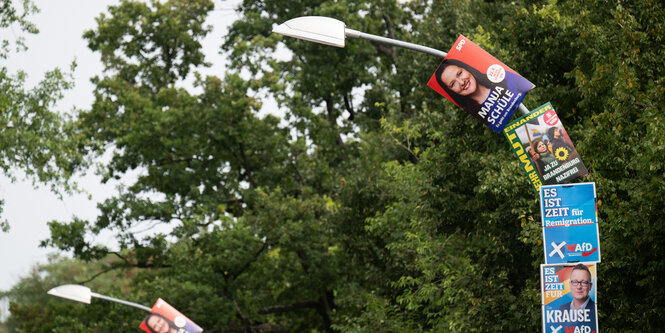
(329, 31)
(83, 294)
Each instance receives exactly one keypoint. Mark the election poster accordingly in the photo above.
(165, 318)
(543, 147)
(568, 295)
(570, 223)
(477, 82)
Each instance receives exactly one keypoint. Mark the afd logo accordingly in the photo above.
(577, 329)
(585, 249)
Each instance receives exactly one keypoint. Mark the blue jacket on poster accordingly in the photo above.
(504, 99)
(592, 314)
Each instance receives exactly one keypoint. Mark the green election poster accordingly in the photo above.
(543, 148)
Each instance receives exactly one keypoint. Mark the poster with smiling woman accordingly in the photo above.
(480, 84)
(164, 318)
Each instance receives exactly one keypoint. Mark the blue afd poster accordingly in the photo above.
(570, 223)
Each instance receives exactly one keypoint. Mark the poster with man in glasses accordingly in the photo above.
(569, 298)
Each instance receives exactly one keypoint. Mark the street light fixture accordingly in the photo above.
(83, 294)
(329, 31)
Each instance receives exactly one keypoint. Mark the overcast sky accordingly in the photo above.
(61, 24)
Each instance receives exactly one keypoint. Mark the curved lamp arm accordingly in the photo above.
(329, 31)
(83, 294)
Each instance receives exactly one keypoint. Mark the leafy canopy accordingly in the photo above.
(373, 204)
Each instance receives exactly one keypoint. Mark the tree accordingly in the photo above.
(374, 204)
(32, 310)
(34, 138)
(211, 159)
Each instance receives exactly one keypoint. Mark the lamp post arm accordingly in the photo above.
(111, 299)
(357, 34)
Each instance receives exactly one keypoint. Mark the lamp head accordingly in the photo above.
(72, 292)
(318, 29)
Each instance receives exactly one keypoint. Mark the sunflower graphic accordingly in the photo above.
(561, 153)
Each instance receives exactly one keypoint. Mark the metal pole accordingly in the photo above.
(357, 34)
(111, 299)
(523, 109)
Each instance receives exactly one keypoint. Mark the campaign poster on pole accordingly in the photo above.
(570, 223)
(543, 147)
(165, 318)
(479, 83)
(568, 296)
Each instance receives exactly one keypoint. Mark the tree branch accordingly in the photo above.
(348, 103)
(259, 328)
(383, 48)
(289, 307)
(97, 275)
(332, 119)
(324, 309)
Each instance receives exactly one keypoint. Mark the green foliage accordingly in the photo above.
(11, 17)
(32, 310)
(373, 204)
(153, 43)
(34, 138)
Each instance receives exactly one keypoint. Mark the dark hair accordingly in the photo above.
(153, 314)
(550, 133)
(583, 268)
(535, 141)
(465, 102)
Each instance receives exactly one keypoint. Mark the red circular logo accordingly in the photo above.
(496, 73)
(551, 118)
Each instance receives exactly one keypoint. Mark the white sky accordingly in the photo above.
(61, 24)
